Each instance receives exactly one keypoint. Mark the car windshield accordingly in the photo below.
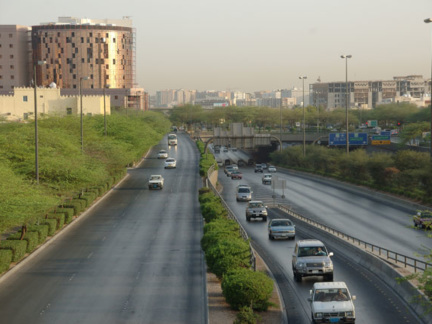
(243, 190)
(154, 178)
(281, 223)
(328, 295)
(256, 205)
(311, 251)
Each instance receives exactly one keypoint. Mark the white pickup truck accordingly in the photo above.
(156, 181)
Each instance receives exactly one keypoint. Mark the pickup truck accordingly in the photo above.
(156, 181)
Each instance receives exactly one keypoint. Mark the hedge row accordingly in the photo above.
(228, 256)
(14, 248)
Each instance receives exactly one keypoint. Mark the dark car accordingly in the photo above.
(423, 219)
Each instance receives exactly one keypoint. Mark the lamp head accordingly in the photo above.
(428, 20)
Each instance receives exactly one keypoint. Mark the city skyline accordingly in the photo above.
(252, 46)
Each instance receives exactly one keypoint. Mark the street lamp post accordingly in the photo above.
(346, 57)
(36, 120)
(280, 136)
(429, 20)
(304, 119)
(105, 121)
(81, 112)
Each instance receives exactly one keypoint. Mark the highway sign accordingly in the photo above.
(381, 139)
(354, 139)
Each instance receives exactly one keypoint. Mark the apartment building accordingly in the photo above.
(15, 58)
(368, 94)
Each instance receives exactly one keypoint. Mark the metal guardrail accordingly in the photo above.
(232, 216)
(397, 258)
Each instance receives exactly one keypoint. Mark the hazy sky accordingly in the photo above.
(252, 45)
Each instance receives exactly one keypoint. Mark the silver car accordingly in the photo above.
(256, 209)
(311, 258)
(281, 229)
(244, 193)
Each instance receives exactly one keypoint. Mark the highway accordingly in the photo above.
(367, 217)
(135, 257)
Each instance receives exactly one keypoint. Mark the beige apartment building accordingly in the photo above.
(15, 57)
(20, 106)
(369, 94)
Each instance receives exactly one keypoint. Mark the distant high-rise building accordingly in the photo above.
(15, 63)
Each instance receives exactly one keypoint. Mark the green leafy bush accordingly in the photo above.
(32, 239)
(59, 217)
(5, 259)
(18, 248)
(246, 315)
(213, 210)
(227, 254)
(42, 231)
(244, 287)
(52, 225)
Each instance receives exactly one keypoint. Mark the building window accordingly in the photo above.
(107, 77)
(1, 76)
(10, 45)
(12, 77)
(10, 35)
(82, 40)
(115, 97)
(25, 98)
(74, 76)
(11, 67)
(107, 67)
(73, 34)
(68, 111)
(82, 60)
(11, 56)
(74, 86)
(113, 61)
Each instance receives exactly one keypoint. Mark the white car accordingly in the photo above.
(271, 168)
(267, 179)
(156, 181)
(331, 302)
(170, 163)
(162, 154)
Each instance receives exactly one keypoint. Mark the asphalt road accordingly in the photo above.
(376, 302)
(133, 258)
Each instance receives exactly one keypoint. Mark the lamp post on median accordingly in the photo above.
(280, 136)
(304, 118)
(346, 57)
(81, 112)
(105, 121)
(429, 20)
(36, 120)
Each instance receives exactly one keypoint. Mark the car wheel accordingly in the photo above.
(271, 237)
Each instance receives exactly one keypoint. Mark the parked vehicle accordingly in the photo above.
(267, 179)
(170, 163)
(162, 154)
(281, 229)
(256, 209)
(423, 219)
(244, 193)
(156, 181)
(311, 258)
(331, 302)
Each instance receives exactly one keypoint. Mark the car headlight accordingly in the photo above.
(329, 264)
(300, 264)
(350, 314)
(318, 315)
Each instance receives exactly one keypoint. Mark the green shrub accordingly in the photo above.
(208, 197)
(88, 197)
(245, 287)
(227, 254)
(59, 217)
(204, 190)
(18, 248)
(69, 213)
(212, 211)
(52, 225)
(42, 231)
(246, 315)
(32, 239)
(5, 259)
